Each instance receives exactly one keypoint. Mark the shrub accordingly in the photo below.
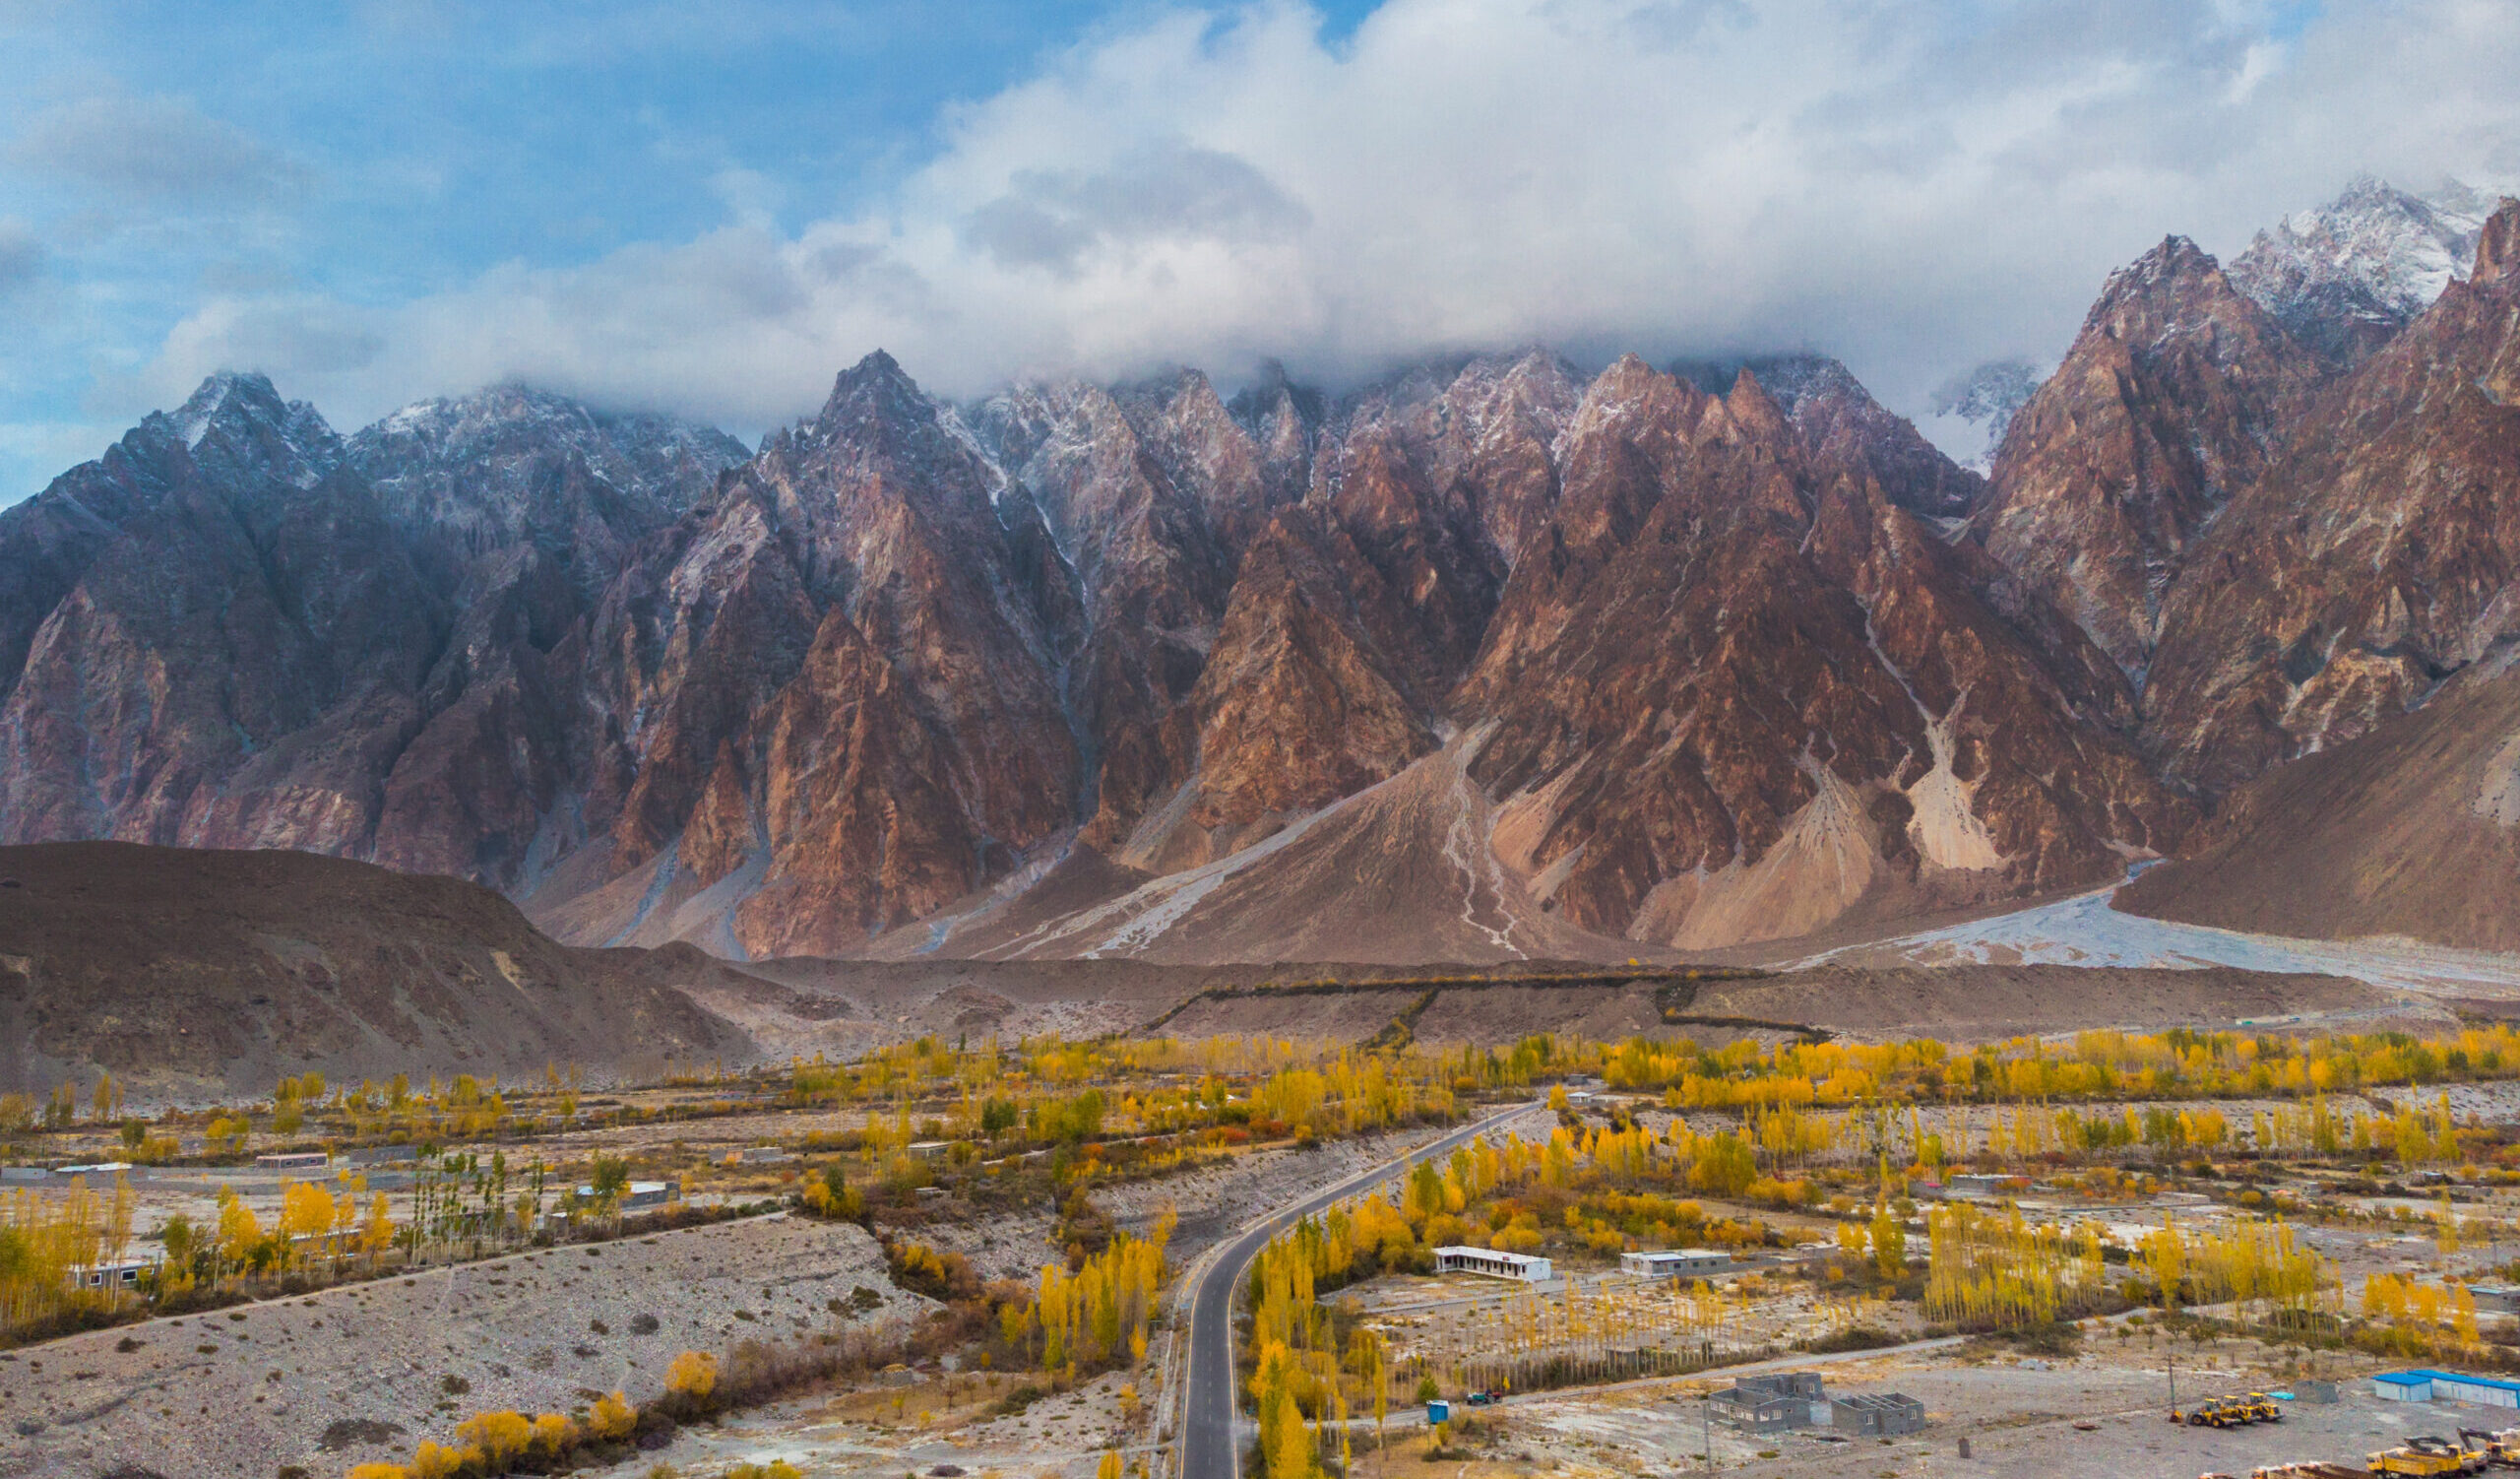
(693, 1375)
(612, 1417)
(500, 1436)
(945, 1276)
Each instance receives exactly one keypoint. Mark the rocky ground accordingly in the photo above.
(367, 1371)
(883, 1431)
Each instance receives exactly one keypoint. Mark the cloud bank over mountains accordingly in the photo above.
(1914, 187)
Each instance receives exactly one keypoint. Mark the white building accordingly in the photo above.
(1675, 1262)
(1521, 1267)
(639, 1194)
(123, 1275)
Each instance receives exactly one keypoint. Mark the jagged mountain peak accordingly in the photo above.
(2157, 290)
(1752, 408)
(2162, 408)
(1787, 379)
(1839, 418)
(2174, 258)
(876, 387)
(878, 423)
(2346, 275)
(241, 391)
(1272, 394)
(1627, 378)
(2498, 244)
(239, 417)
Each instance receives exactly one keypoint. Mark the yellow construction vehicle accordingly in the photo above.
(2427, 1456)
(2501, 1449)
(2233, 1412)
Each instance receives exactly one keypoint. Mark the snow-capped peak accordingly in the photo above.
(2366, 262)
(291, 437)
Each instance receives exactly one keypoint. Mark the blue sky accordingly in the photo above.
(711, 207)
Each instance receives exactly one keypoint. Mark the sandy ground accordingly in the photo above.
(242, 1391)
(2085, 931)
(880, 1432)
(2018, 1414)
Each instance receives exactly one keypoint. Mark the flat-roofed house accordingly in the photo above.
(1493, 1262)
(1675, 1262)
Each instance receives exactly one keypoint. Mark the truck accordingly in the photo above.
(2429, 1456)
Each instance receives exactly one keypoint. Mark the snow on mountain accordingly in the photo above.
(497, 434)
(291, 439)
(2346, 275)
(1982, 402)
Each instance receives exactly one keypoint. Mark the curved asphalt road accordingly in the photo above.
(1207, 1446)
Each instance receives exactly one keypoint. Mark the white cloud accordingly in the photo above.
(1913, 186)
(155, 148)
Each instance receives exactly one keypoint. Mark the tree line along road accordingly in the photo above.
(1209, 1449)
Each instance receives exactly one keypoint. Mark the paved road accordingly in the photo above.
(1207, 1446)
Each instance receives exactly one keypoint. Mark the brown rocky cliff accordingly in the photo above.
(1303, 701)
(238, 663)
(1735, 693)
(830, 673)
(2375, 557)
(1130, 483)
(862, 830)
(2160, 412)
(1840, 420)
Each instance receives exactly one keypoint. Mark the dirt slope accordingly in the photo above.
(188, 972)
(2412, 829)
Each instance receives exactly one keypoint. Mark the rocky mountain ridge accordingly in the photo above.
(2345, 277)
(1493, 658)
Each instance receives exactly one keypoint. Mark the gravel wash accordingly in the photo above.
(365, 1370)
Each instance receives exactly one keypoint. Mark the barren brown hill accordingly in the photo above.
(195, 973)
(2409, 830)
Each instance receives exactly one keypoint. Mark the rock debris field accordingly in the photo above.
(365, 1370)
